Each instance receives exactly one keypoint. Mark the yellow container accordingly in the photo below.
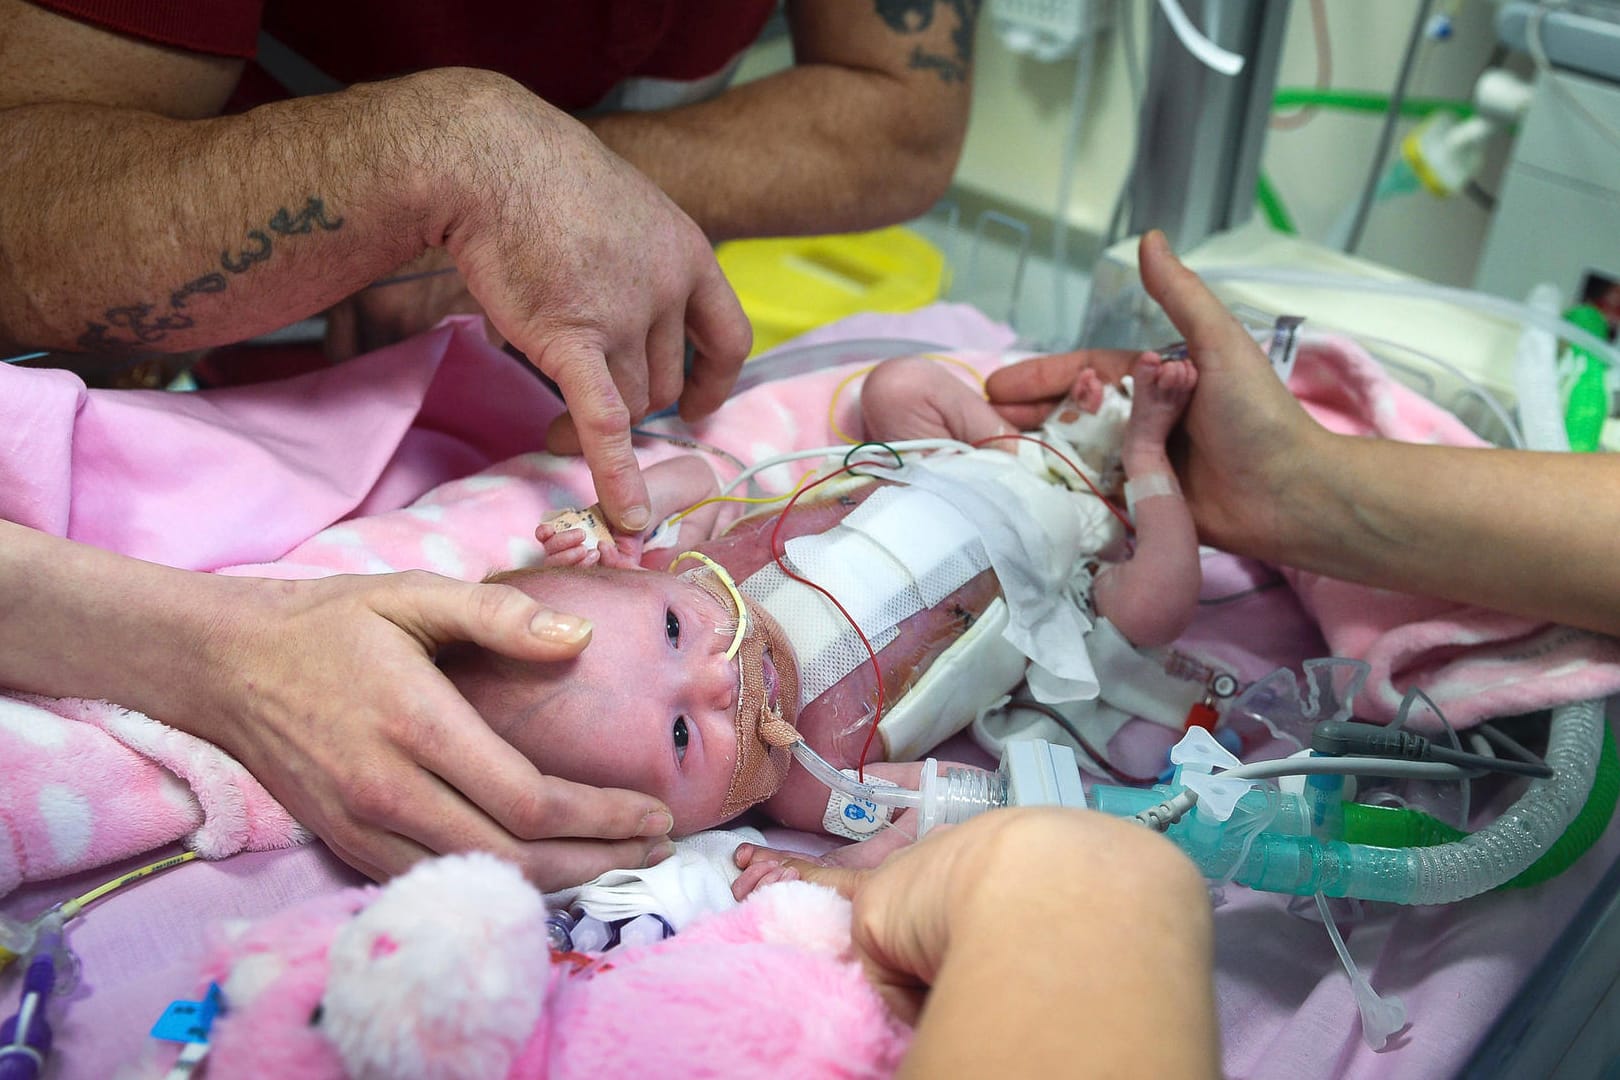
(793, 284)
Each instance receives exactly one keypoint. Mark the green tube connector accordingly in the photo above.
(1588, 405)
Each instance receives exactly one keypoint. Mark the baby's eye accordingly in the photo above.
(682, 737)
(672, 627)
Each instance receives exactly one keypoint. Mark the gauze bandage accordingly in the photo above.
(1149, 487)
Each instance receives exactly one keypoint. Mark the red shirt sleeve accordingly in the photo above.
(218, 27)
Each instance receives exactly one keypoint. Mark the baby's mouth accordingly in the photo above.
(768, 668)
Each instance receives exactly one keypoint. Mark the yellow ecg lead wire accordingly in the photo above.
(731, 587)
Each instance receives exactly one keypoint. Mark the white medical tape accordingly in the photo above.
(900, 552)
(1149, 487)
(826, 646)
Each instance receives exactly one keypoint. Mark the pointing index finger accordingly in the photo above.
(601, 422)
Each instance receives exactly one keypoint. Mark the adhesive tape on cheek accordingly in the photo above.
(1148, 487)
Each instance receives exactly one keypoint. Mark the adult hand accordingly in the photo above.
(598, 278)
(331, 699)
(410, 300)
(1245, 440)
(981, 885)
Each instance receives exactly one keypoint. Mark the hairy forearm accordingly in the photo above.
(1528, 533)
(815, 149)
(123, 231)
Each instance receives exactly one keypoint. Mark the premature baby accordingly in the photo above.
(668, 699)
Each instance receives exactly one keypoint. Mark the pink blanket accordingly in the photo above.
(1474, 663)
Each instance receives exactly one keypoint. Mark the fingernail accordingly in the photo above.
(559, 627)
(636, 518)
(742, 853)
(659, 853)
(657, 823)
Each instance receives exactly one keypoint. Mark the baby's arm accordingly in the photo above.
(673, 485)
(1151, 597)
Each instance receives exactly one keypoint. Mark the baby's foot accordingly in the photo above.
(1086, 394)
(1161, 390)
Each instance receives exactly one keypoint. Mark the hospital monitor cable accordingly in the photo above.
(52, 969)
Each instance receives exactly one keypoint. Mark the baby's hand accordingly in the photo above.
(763, 866)
(841, 868)
(583, 538)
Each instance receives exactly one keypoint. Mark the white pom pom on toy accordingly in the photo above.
(443, 976)
(806, 915)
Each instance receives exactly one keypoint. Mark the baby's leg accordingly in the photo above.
(1151, 597)
(912, 397)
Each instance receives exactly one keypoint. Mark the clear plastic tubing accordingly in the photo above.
(1500, 851)
(1444, 873)
(943, 800)
(1491, 305)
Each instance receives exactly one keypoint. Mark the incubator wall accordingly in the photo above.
(1459, 358)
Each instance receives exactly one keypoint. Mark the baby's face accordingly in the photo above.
(650, 705)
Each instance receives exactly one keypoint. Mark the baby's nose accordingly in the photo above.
(720, 681)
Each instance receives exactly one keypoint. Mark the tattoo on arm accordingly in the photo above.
(915, 16)
(313, 213)
(134, 328)
(246, 258)
(208, 283)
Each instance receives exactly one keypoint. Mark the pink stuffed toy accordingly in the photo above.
(446, 972)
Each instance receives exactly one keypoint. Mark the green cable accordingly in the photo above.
(1396, 827)
(1294, 97)
(1587, 407)
(1271, 205)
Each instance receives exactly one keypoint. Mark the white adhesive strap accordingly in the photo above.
(852, 818)
(1148, 487)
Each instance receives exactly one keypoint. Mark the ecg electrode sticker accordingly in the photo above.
(856, 819)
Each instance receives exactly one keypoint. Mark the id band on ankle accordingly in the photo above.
(1149, 487)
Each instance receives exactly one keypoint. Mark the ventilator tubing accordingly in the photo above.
(943, 800)
(1509, 845)
(1285, 857)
